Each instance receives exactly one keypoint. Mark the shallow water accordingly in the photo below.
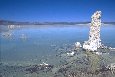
(30, 43)
(39, 42)
(34, 45)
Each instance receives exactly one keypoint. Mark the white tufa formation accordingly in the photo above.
(78, 45)
(71, 54)
(94, 41)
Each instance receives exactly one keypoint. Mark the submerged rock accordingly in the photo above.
(7, 34)
(23, 37)
(38, 68)
(111, 66)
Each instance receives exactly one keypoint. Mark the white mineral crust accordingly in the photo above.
(94, 41)
(78, 45)
(71, 54)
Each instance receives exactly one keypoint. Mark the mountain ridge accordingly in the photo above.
(8, 22)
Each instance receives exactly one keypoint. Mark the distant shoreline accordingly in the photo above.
(7, 22)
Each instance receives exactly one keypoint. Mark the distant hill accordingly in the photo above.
(8, 22)
(109, 23)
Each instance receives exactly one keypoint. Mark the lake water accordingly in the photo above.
(39, 42)
(34, 45)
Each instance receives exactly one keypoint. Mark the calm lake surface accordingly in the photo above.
(36, 44)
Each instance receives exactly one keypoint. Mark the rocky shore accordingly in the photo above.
(81, 64)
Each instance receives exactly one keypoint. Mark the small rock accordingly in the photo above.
(71, 54)
(78, 45)
(98, 53)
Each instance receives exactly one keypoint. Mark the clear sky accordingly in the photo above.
(56, 10)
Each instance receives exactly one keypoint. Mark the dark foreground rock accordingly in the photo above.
(39, 68)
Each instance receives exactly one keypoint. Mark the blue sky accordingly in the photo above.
(56, 10)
